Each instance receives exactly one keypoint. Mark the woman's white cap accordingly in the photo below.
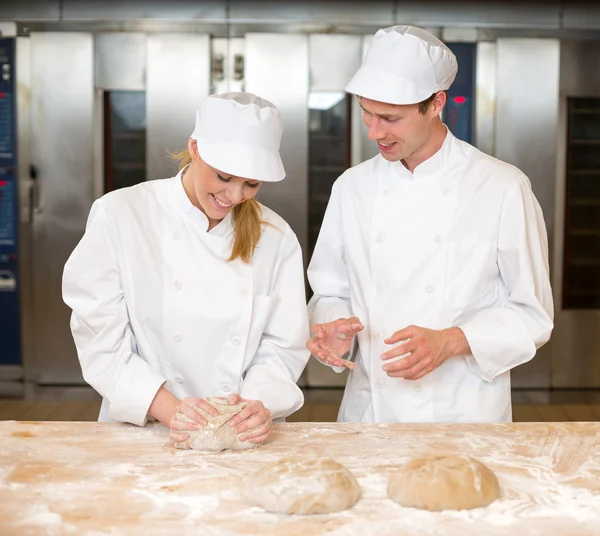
(240, 134)
(404, 65)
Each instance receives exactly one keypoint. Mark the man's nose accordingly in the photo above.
(375, 131)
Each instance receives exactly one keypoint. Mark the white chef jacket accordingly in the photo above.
(155, 302)
(459, 242)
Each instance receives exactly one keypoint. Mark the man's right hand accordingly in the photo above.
(332, 340)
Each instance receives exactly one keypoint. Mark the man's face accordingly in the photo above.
(399, 130)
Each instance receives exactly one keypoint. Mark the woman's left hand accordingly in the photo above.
(253, 422)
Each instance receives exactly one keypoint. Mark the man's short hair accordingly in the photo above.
(424, 105)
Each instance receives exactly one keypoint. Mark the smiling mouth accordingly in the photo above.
(220, 204)
(385, 146)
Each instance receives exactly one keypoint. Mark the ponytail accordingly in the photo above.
(183, 158)
(247, 228)
(247, 222)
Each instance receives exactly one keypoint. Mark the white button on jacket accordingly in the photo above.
(488, 276)
(136, 330)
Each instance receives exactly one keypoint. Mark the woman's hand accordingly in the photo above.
(178, 427)
(254, 422)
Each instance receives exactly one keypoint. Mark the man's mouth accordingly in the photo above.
(386, 146)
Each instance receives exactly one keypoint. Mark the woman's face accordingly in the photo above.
(215, 192)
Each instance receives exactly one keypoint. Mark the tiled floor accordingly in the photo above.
(321, 406)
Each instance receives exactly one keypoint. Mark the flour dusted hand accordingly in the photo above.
(217, 434)
(332, 340)
(444, 483)
(291, 486)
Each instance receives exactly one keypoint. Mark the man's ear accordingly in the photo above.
(439, 102)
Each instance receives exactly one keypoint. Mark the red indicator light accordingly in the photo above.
(3, 184)
(459, 100)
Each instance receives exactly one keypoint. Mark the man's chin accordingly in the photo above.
(390, 156)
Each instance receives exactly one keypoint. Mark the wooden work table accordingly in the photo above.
(59, 478)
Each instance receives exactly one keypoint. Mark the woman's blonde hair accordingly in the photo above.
(247, 222)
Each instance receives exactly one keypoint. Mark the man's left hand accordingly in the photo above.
(425, 350)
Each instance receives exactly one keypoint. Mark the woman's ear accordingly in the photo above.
(193, 148)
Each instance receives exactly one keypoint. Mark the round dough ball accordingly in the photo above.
(444, 483)
(302, 487)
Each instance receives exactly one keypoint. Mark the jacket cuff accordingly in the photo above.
(495, 349)
(134, 392)
(280, 396)
(330, 309)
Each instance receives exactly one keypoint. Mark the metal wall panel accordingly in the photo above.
(526, 126)
(23, 62)
(219, 81)
(320, 11)
(527, 113)
(23, 75)
(187, 10)
(120, 61)
(277, 69)
(333, 60)
(575, 350)
(576, 339)
(30, 9)
(227, 64)
(557, 260)
(459, 35)
(362, 147)
(177, 80)
(506, 13)
(580, 69)
(61, 150)
(98, 188)
(581, 14)
(485, 97)
(8, 29)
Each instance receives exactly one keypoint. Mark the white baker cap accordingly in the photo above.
(404, 65)
(240, 134)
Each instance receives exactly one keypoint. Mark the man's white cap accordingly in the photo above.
(240, 134)
(404, 65)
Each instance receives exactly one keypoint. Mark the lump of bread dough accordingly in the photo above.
(217, 435)
(292, 486)
(444, 483)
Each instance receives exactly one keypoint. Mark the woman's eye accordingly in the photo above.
(253, 184)
(223, 179)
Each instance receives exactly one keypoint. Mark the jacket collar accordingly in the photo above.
(223, 229)
(449, 156)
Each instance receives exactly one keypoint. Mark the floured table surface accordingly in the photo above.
(91, 479)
